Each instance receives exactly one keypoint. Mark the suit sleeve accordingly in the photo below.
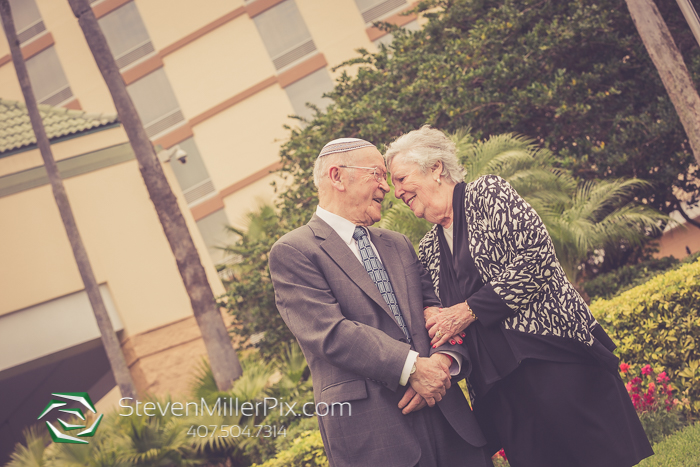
(306, 303)
(519, 229)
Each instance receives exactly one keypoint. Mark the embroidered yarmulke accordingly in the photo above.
(344, 145)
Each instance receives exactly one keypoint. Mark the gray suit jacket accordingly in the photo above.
(355, 349)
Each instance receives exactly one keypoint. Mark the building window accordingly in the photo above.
(284, 34)
(48, 81)
(126, 35)
(192, 175)
(310, 89)
(155, 103)
(216, 235)
(373, 10)
(27, 19)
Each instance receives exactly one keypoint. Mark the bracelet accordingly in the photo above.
(471, 312)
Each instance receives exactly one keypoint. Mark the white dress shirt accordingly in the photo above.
(345, 230)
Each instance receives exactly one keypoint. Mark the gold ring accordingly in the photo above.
(438, 334)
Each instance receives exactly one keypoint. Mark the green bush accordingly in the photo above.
(658, 323)
(610, 284)
(306, 451)
(678, 450)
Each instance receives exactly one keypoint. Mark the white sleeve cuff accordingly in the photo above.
(456, 366)
(410, 360)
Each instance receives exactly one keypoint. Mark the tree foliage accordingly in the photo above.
(572, 75)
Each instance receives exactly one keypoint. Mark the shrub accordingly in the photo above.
(306, 451)
(610, 284)
(659, 322)
(679, 449)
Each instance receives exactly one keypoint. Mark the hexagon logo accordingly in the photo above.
(59, 436)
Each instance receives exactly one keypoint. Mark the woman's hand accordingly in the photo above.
(429, 312)
(449, 324)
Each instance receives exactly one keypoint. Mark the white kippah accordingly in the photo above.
(344, 145)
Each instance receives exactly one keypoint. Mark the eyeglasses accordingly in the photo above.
(379, 175)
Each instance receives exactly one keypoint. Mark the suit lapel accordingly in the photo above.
(346, 260)
(395, 269)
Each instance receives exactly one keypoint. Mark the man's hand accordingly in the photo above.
(432, 378)
(411, 401)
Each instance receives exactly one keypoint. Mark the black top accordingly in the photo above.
(494, 350)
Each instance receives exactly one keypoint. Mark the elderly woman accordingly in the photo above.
(545, 383)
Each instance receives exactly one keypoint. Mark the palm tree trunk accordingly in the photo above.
(224, 362)
(669, 63)
(109, 337)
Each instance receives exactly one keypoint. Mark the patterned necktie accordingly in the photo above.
(378, 274)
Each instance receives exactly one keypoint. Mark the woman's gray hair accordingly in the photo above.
(426, 147)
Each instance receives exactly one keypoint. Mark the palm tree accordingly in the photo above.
(669, 63)
(110, 342)
(224, 362)
(599, 215)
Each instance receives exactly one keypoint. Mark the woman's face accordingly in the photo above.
(420, 191)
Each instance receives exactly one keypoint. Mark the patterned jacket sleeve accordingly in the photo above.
(516, 235)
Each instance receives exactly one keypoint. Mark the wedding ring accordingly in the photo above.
(438, 334)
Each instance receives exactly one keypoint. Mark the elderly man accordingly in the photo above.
(354, 298)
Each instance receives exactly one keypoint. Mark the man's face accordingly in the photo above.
(362, 201)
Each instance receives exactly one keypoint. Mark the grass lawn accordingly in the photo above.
(682, 449)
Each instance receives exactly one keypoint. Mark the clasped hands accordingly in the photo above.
(428, 384)
(432, 377)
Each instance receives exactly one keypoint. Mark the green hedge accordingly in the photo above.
(610, 284)
(681, 449)
(306, 451)
(659, 323)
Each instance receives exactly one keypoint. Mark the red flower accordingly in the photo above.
(646, 370)
(502, 453)
(662, 378)
(624, 367)
(652, 388)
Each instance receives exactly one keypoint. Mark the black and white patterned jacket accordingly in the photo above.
(514, 253)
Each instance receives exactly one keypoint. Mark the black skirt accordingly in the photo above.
(551, 414)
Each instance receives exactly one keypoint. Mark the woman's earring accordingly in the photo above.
(439, 181)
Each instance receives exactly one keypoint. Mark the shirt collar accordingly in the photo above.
(343, 227)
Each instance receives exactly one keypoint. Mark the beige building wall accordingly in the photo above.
(337, 28)
(168, 21)
(676, 242)
(238, 141)
(202, 79)
(76, 59)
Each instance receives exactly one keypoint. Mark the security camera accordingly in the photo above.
(181, 156)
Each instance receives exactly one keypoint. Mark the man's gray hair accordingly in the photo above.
(322, 165)
(426, 147)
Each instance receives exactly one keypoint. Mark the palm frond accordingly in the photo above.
(32, 454)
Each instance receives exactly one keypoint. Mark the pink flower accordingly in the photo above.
(628, 386)
(624, 367)
(662, 378)
(502, 453)
(646, 370)
(652, 388)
